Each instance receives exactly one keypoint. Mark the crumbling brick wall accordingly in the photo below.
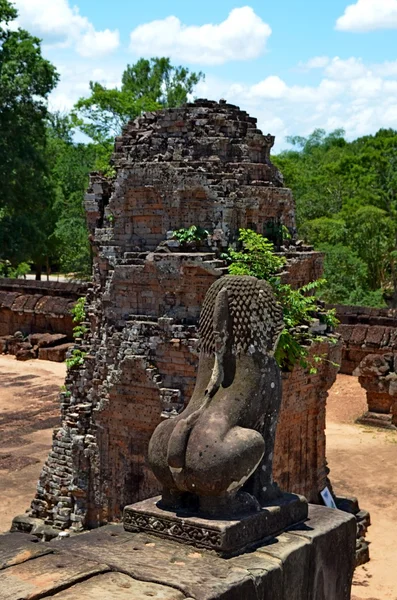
(205, 164)
(37, 306)
(300, 450)
(365, 331)
(377, 374)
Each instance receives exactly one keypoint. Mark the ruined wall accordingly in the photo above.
(205, 164)
(300, 450)
(365, 331)
(37, 306)
(377, 373)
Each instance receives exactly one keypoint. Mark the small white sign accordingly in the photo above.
(328, 499)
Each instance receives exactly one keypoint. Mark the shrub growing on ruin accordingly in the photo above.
(256, 257)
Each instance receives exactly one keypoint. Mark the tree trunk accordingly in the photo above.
(38, 272)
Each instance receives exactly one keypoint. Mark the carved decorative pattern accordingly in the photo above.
(187, 533)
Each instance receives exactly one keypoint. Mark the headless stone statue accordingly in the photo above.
(216, 456)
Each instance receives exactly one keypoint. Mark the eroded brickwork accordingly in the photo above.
(204, 164)
(377, 373)
(365, 331)
(37, 306)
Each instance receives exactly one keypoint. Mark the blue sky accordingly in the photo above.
(294, 65)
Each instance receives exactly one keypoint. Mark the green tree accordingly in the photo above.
(70, 164)
(26, 192)
(146, 85)
(346, 196)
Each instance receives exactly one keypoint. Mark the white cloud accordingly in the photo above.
(345, 69)
(318, 62)
(74, 83)
(271, 87)
(59, 24)
(358, 97)
(369, 15)
(242, 36)
(96, 43)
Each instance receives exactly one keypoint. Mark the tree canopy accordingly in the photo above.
(146, 85)
(346, 197)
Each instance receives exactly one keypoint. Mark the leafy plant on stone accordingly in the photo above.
(256, 257)
(76, 359)
(79, 315)
(300, 307)
(190, 234)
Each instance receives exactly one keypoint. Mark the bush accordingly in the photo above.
(300, 307)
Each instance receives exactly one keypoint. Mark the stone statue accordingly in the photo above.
(216, 456)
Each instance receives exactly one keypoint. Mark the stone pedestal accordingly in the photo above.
(225, 536)
(313, 561)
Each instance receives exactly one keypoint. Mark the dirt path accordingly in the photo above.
(28, 413)
(363, 463)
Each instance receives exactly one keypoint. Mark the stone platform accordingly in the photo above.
(224, 536)
(313, 561)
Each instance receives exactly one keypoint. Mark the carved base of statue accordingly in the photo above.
(226, 536)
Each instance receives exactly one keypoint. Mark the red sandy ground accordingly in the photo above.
(363, 460)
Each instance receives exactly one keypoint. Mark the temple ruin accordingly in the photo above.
(204, 164)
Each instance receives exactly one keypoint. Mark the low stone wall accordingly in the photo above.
(365, 331)
(37, 306)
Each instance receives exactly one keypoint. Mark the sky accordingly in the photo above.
(295, 65)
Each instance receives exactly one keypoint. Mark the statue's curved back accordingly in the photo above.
(226, 433)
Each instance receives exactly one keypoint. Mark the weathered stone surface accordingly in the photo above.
(378, 376)
(37, 306)
(293, 553)
(25, 352)
(225, 536)
(36, 578)
(332, 535)
(46, 340)
(201, 575)
(117, 586)
(18, 548)
(312, 562)
(56, 354)
(365, 331)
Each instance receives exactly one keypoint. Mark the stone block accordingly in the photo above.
(56, 354)
(332, 535)
(16, 548)
(46, 340)
(117, 586)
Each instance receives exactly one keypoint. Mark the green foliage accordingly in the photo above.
(146, 85)
(76, 359)
(325, 230)
(190, 234)
(26, 79)
(26, 191)
(79, 315)
(78, 311)
(70, 165)
(300, 306)
(346, 196)
(256, 257)
(7, 270)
